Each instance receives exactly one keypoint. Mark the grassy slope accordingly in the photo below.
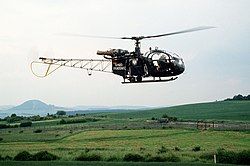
(225, 110)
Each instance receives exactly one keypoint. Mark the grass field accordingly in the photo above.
(222, 110)
(93, 163)
(116, 134)
(120, 142)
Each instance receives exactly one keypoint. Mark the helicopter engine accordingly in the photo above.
(113, 53)
(119, 59)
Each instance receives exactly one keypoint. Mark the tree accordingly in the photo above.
(25, 124)
(13, 115)
(60, 113)
(238, 97)
(248, 97)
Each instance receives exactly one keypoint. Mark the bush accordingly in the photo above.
(133, 157)
(25, 124)
(86, 150)
(177, 148)
(196, 148)
(230, 157)
(3, 126)
(23, 156)
(60, 113)
(165, 116)
(5, 158)
(44, 156)
(163, 149)
(224, 156)
(1, 139)
(37, 131)
(243, 157)
(89, 157)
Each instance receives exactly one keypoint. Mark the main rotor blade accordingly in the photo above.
(137, 37)
(88, 36)
(179, 32)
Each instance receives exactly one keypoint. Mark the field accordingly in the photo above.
(218, 111)
(93, 163)
(120, 142)
(116, 134)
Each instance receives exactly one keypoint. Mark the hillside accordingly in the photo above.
(31, 107)
(223, 110)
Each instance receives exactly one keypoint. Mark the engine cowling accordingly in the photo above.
(113, 52)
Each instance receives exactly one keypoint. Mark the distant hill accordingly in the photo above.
(222, 110)
(5, 107)
(31, 107)
(37, 107)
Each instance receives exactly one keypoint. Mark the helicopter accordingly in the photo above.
(156, 65)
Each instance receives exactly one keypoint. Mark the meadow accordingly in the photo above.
(216, 111)
(115, 135)
(117, 143)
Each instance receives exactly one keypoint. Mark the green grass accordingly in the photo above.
(87, 163)
(46, 122)
(120, 142)
(117, 134)
(224, 110)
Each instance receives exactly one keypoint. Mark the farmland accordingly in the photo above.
(113, 135)
(120, 142)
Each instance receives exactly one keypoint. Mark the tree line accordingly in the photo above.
(239, 97)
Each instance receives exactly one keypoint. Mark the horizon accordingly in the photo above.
(154, 106)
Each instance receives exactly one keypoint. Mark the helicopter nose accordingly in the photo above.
(181, 65)
(182, 68)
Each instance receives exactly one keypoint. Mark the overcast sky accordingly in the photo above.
(217, 60)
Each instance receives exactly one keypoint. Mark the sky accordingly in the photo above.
(217, 60)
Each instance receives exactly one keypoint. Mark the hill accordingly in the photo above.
(31, 107)
(5, 107)
(222, 110)
(37, 107)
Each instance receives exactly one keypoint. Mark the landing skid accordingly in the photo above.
(147, 81)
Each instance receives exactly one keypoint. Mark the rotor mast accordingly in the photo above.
(137, 47)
